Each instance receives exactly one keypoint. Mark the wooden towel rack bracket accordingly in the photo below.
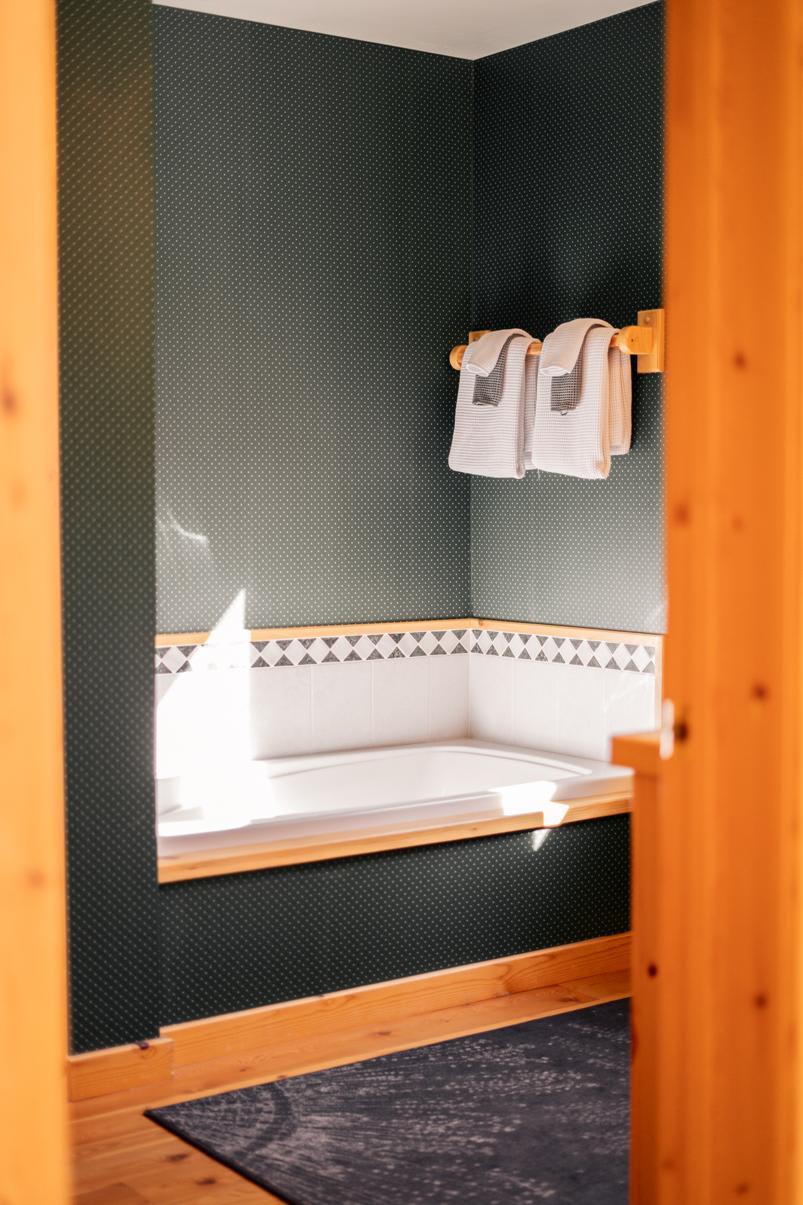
(645, 341)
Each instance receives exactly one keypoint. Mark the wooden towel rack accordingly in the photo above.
(645, 341)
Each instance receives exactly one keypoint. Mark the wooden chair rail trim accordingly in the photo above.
(163, 640)
(563, 630)
(106, 1072)
(166, 639)
(238, 859)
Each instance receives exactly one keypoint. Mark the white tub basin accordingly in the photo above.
(419, 785)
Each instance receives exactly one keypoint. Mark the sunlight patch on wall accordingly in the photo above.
(203, 727)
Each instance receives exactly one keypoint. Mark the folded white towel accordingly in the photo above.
(561, 348)
(582, 410)
(488, 435)
(485, 351)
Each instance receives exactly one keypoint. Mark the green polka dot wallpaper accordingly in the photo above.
(106, 394)
(243, 940)
(313, 238)
(568, 222)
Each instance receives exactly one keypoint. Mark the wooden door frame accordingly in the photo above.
(718, 854)
(723, 982)
(33, 1010)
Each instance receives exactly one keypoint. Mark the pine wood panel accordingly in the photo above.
(236, 859)
(33, 1023)
(103, 1071)
(121, 1158)
(727, 877)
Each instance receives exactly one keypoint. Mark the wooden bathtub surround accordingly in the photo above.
(308, 1024)
(236, 859)
(33, 1009)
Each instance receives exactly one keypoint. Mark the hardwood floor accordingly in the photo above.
(122, 1158)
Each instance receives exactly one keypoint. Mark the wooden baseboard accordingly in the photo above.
(119, 1067)
(376, 1004)
(276, 1024)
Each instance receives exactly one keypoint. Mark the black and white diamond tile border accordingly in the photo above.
(385, 646)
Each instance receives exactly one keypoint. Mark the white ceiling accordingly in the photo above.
(467, 29)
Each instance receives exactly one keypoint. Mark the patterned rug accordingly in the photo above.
(535, 1112)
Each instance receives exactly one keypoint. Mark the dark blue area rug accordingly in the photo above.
(535, 1112)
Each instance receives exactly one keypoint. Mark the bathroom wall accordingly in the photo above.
(247, 940)
(568, 136)
(293, 168)
(313, 230)
(339, 506)
(106, 366)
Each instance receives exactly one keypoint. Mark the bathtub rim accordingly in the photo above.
(614, 797)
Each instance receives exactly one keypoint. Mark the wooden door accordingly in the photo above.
(33, 1027)
(718, 1086)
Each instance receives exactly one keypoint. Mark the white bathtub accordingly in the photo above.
(425, 785)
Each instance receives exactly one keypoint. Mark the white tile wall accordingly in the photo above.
(447, 698)
(399, 695)
(490, 697)
(631, 702)
(280, 720)
(534, 697)
(341, 706)
(203, 718)
(564, 708)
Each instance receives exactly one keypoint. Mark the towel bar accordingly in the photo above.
(645, 341)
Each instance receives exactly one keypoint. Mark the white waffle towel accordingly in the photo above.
(582, 407)
(485, 351)
(488, 435)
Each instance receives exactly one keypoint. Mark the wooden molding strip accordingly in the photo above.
(641, 752)
(572, 633)
(166, 639)
(119, 1067)
(291, 1023)
(236, 859)
(381, 1003)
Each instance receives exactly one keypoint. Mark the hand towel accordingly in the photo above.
(571, 430)
(485, 351)
(488, 389)
(488, 435)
